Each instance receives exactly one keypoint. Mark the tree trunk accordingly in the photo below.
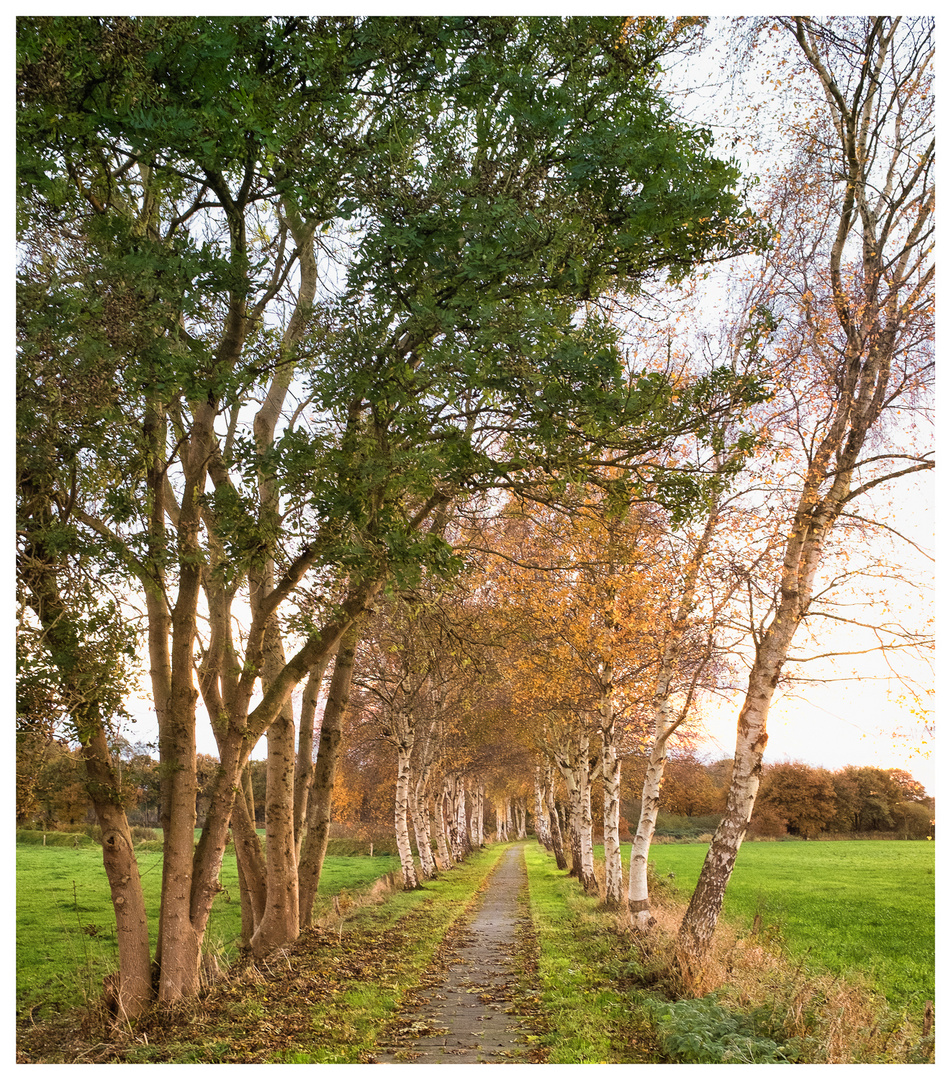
(284, 812)
(280, 924)
(703, 912)
(134, 991)
(664, 726)
(403, 751)
(314, 847)
(419, 801)
(420, 814)
(477, 827)
(813, 518)
(118, 856)
(304, 767)
(574, 830)
(542, 829)
(557, 840)
(249, 855)
(613, 890)
(442, 838)
(637, 890)
(178, 948)
(587, 877)
(452, 822)
(189, 882)
(611, 776)
(462, 825)
(576, 769)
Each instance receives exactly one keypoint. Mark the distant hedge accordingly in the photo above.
(55, 839)
(87, 836)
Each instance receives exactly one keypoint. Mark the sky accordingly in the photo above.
(845, 726)
(860, 720)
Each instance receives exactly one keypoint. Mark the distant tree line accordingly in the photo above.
(51, 784)
(807, 801)
(795, 799)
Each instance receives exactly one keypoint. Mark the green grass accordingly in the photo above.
(65, 932)
(589, 1020)
(596, 999)
(865, 907)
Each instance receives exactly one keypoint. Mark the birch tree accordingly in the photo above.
(852, 278)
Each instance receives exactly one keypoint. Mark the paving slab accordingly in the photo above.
(469, 1016)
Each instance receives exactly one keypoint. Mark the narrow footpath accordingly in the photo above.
(467, 1015)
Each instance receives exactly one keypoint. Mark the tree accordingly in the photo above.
(322, 784)
(802, 796)
(867, 798)
(400, 223)
(851, 278)
(405, 675)
(687, 656)
(689, 789)
(50, 783)
(80, 660)
(576, 597)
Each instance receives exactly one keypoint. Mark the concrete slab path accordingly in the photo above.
(467, 1014)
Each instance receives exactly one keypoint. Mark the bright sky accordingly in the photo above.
(858, 721)
(846, 725)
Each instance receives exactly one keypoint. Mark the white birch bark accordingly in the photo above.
(542, 827)
(403, 734)
(613, 873)
(588, 879)
(462, 820)
(457, 837)
(420, 815)
(418, 802)
(611, 778)
(438, 813)
(576, 768)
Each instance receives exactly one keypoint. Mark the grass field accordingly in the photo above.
(848, 906)
(66, 939)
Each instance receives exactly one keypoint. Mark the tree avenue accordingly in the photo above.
(287, 289)
(368, 395)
